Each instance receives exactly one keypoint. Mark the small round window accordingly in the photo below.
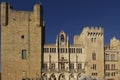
(62, 38)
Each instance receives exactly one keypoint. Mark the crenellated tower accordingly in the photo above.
(93, 40)
(22, 39)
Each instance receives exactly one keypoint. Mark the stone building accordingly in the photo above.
(26, 56)
(93, 41)
(63, 61)
(22, 39)
(112, 60)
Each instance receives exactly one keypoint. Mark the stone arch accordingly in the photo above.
(95, 78)
(85, 77)
(44, 76)
(53, 77)
(72, 77)
(79, 76)
(62, 77)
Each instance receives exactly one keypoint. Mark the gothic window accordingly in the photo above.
(52, 50)
(94, 66)
(81, 50)
(107, 57)
(70, 50)
(113, 74)
(79, 66)
(112, 66)
(66, 50)
(62, 38)
(53, 66)
(71, 66)
(73, 50)
(46, 50)
(107, 74)
(45, 65)
(94, 74)
(93, 40)
(23, 54)
(62, 50)
(112, 56)
(78, 50)
(62, 65)
(93, 56)
(107, 66)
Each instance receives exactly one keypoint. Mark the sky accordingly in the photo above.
(73, 15)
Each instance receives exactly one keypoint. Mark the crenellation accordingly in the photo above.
(96, 27)
(4, 13)
(37, 13)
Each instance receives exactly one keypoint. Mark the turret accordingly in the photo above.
(4, 13)
(38, 13)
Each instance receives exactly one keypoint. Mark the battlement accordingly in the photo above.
(5, 7)
(93, 31)
(91, 28)
(10, 16)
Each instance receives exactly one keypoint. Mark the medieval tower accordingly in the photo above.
(93, 41)
(22, 34)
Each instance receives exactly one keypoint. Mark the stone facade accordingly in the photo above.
(22, 35)
(112, 60)
(26, 56)
(63, 60)
(93, 41)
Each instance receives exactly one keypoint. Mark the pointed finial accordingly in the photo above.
(39, 2)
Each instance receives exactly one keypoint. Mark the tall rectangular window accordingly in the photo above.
(62, 66)
(93, 40)
(45, 66)
(93, 56)
(112, 66)
(94, 66)
(107, 66)
(107, 57)
(23, 54)
(62, 50)
(112, 56)
(79, 66)
(46, 50)
(71, 66)
(53, 66)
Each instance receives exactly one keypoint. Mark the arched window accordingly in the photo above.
(62, 77)
(62, 38)
(52, 77)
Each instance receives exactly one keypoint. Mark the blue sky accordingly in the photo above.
(73, 15)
